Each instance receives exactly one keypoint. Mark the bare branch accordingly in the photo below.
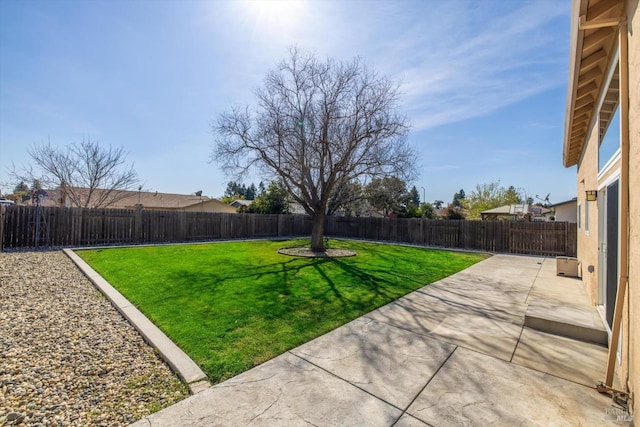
(88, 174)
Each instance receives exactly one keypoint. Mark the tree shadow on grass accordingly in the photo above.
(332, 283)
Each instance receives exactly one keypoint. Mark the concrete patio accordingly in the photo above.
(457, 352)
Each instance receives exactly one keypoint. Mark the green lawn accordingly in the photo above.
(232, 306)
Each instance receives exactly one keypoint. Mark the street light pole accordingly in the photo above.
(424, 195)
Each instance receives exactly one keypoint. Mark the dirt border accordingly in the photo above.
(306, 252)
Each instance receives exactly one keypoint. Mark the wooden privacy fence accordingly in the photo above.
(30, 227)
(534, 238)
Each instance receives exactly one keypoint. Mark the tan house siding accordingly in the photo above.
(565, 212)
(210, 206)
(588, 223)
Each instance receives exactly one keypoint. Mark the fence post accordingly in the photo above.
(182, 232)
(3, 212)
(137, 221)
(77, 222)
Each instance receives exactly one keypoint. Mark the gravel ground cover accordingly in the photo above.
(67, 357)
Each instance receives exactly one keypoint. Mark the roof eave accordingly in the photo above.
(578, 7)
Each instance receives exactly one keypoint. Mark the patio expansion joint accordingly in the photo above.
(515, 347)
(526, 301)
(555, 376)
(345, 380)
(423, 334)
(423, 388)
(478, 311)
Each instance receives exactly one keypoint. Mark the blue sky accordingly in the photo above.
(483, 83)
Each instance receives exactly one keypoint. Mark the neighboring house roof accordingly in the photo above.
(592, 46)
(574, 201)
(240, 203)
(564, 211)
(158, 200)
(538, 210)
(211, 205)
(149, 200)
(515, 210)
(502, 210)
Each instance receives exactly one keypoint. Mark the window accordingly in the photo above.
(610, 142)
(586, 217)
(579, 216)
(609, 122)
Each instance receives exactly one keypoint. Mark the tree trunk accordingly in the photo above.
(317, 232)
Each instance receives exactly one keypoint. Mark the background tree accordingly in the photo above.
(414, 196)
(411, 208)
(427, 210)
(513, 196)
(318, 125)
(438, 204)
(234, 190)
(275, 200)
(491, 195)
(250, 192)
(459, 199)
(454, 212)
(387, 195)
(21, 192)
(88, 174)
(347, 198)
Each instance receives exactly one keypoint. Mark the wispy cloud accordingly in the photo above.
(455, 59)
(439, 168)
(458, 60)
(544, 125)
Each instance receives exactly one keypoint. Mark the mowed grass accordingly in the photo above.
(232, 306)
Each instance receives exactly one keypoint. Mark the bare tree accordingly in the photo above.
(348, 198)
(87, 174)
(388, 194)
(318, 125)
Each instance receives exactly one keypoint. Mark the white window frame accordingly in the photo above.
(616, 155)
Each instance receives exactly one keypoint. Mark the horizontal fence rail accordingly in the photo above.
(44, 227)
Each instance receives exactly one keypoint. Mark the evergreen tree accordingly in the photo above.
(21, 188)
(250, 192)
(458, 199)
(414, 196)
(411, 209)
